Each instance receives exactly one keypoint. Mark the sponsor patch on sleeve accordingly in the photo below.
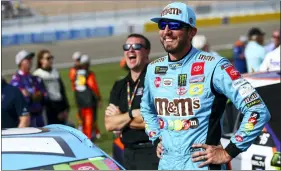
(237, 83)
(224, 66)
(233, 73)
(245, 90)
(252, 97)
(253, 103)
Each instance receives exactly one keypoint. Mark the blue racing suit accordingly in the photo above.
(184, 100)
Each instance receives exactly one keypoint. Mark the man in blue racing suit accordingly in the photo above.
(185, 95)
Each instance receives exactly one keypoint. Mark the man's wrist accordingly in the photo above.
(232, 150)
(227, 156)
(131, 114)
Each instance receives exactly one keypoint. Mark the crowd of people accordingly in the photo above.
(162, 110)
(250, 54)
(41, 99)
(14, 9)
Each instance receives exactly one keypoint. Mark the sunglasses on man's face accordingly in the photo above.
(172, 25)
(135, 46)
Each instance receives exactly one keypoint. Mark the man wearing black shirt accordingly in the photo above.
(14, 107)
(123, 112)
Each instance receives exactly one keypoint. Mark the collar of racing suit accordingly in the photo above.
(187, 54)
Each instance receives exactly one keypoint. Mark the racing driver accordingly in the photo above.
(185, 95)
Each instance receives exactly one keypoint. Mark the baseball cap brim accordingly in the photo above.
(157, 19)
(30, 55)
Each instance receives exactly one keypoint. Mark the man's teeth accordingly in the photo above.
(168, 40)
(132, 56)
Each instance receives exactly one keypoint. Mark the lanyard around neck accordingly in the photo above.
(131, 98)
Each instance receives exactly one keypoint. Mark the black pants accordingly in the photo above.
(141, 158)
(53, 110)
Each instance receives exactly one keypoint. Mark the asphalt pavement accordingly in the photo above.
(110, 48)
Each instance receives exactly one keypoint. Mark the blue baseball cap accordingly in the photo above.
(177, 11)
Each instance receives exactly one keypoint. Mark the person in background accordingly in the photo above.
(123, 112)
(57, 105)
(239, 56)
(254, 50)
(31, 87)
(72, 73)
(275, 41)
(123, 64)
(271, 61)
(200, 42)
(87, 96)
(13, 107)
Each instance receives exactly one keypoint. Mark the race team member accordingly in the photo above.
(57, 105)
(13, 107)
(31, 87)
(123, 64)
(271, 61)
(123, 112)
(239, 56)
(200, 42)
(184, 98)
(87, 97)
(254, 50)
(275, 41)
(72, 73)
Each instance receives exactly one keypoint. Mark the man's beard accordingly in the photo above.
(173, 50)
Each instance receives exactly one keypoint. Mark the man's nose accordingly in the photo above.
(131, 49)
(167, 30)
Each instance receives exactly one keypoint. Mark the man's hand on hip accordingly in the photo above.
(211, 155)
(159, 149)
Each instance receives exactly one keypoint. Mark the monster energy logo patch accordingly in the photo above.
(182, 79)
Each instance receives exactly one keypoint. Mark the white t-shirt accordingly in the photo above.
(271, 61)
(51, 82)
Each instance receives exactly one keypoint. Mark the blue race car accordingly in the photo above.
(53, 147)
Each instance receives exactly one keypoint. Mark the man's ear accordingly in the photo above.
(193, 32)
